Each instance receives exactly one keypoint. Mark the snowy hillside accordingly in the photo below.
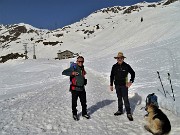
(34, 95)
(122, 22)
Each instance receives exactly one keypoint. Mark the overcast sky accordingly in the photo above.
(52, 14)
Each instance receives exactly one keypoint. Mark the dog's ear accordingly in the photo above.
(147, 108)
(153, 107)
(150, 108)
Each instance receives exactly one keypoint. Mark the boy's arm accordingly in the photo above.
(112, 76)
(131, 71)
(67, 72)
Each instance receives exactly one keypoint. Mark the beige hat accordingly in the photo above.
(120, 54)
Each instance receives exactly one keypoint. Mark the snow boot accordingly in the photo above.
(129, 116)
(75, 117)
(118, 113)
(86, 116)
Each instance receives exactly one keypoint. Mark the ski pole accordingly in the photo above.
(169, 78)
(170, 95)
(161, 83)
(160, 91)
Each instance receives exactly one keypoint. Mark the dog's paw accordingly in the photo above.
(147, 128)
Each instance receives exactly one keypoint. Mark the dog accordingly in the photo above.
(158, 123)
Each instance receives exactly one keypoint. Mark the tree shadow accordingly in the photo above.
(134, 101)
(98, 106)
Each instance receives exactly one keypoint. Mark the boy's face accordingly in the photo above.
(80, 61)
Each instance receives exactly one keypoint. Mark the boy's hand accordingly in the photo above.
(128, 84)
(111, 88)
(75, 73)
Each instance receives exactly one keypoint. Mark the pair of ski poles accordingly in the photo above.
(169, 78)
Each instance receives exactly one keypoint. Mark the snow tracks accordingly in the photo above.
(47, 111)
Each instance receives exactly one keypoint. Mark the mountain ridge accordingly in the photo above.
(94, 26)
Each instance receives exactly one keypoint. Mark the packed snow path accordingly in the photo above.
(48, 111)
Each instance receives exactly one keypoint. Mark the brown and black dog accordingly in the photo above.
(158, 123)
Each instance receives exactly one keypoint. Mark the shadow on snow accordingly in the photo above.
(98, 106)
(134, 101)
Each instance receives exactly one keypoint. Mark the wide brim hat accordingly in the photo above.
(120, 55)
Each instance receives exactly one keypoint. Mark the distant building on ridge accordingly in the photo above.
(65, 55)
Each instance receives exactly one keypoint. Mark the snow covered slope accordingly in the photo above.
(34, 95)
(101, 31)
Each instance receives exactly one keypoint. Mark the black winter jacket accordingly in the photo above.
(119, 74)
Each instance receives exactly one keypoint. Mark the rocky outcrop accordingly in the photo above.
(10, 56)
(169, 2)
(52, 43)
(131, 9)
(115, 9)
(152, 5)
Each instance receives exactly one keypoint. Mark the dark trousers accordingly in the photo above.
(82, 97)
(122, 94)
